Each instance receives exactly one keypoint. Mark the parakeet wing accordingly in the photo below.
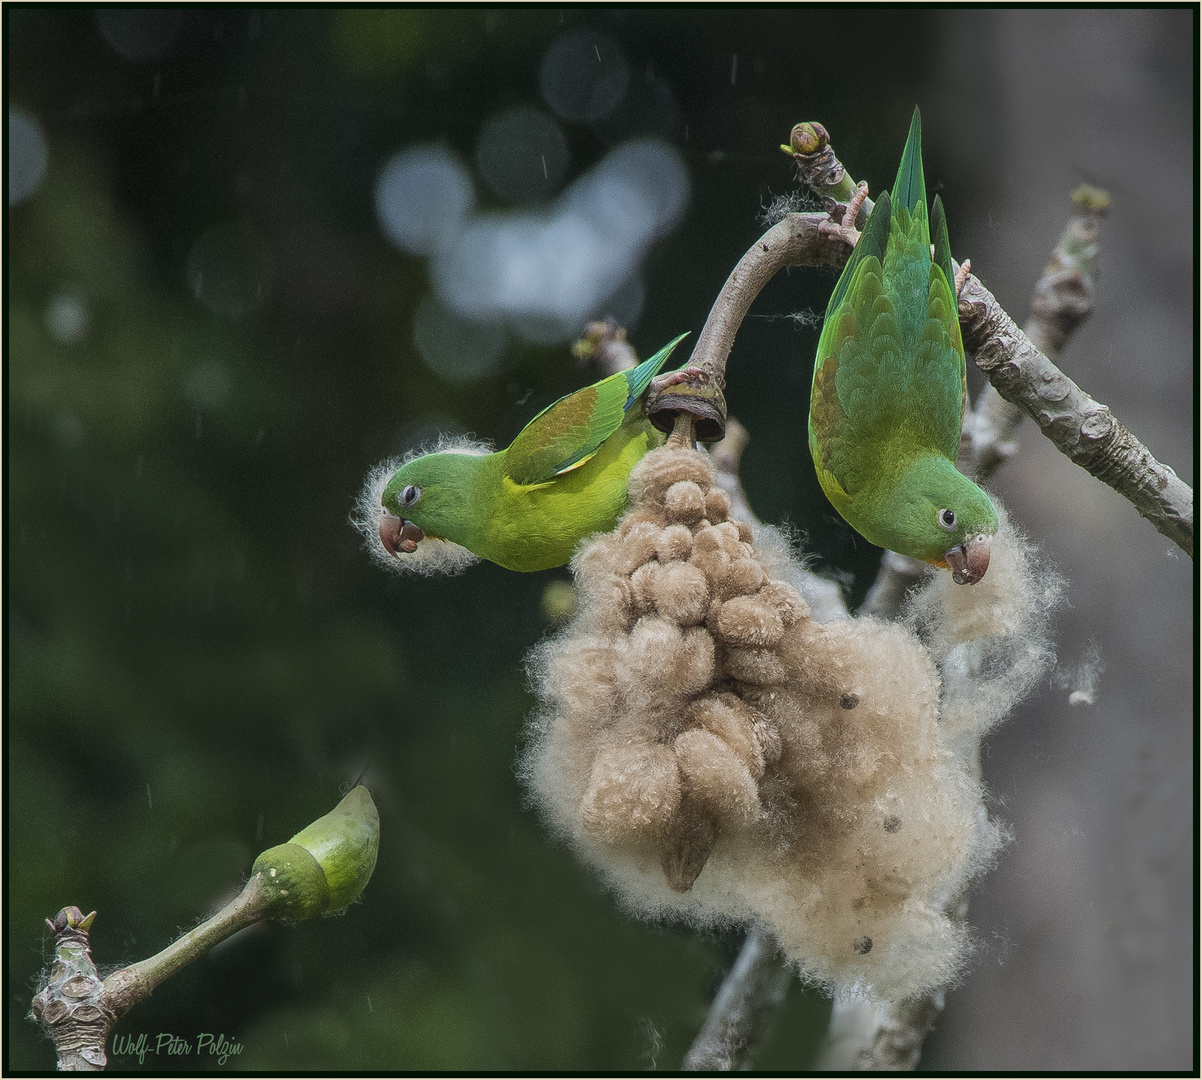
(835, 427)
(943, 248)
(943, 260)
(569, 431)
(872, 242)
(909, 186)
(889, 374)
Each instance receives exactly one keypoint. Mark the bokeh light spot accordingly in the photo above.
(208, 385)
(424, 195)
(67, 317)
(26, 155)
(229, 270)
(454, 348)
(547, 273)
(584, 76)
(522, 154)
(139, 33)
(639, 190)
(626, 305)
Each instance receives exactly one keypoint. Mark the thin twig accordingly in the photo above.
(822, 172)
(1063, 299)
(79, 1011)
(750, 994)
(878, 1037)
(125, 988)
(604, 344)
(795, 240)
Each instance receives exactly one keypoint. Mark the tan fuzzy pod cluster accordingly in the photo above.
(719, 754)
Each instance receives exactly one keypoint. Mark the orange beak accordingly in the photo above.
(397, 534)
(970, 560)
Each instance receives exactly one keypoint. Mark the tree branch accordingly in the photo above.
(1063, 299)
(323, 868)
(795, 240)
(1083, 429)
(125, 988)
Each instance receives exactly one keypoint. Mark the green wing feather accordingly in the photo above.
(889, 374)
(872, 243)
(569, 431)
(943, 260)
(943, 248)
(909, 188)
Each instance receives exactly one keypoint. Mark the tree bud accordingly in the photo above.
(326, 865)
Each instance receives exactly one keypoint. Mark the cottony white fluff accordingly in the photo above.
(991, 640)
(780, 548)
(722, 756)
(433, 555)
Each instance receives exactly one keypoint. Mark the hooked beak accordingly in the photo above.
(397, 534)
(970, 560)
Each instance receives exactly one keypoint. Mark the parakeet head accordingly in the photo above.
(414, 511)
(948, 520)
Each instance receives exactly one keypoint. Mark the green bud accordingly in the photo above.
(807, 138)
(1092, 200)
(294, 881)
(326, 865)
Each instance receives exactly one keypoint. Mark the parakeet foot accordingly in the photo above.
(846, 229)
(672, 378)
(962, 276)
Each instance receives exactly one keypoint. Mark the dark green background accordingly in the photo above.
(201, 657)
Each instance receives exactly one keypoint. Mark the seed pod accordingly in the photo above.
(684, 502)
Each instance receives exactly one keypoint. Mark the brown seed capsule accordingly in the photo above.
(717, 504)
(684, 856)
(684, 502)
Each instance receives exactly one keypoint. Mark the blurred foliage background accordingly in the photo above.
(215, 330)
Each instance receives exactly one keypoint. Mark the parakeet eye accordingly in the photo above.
(409, 495)
(947, 519)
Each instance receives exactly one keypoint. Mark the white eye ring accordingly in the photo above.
(409, 495)
(947, 520)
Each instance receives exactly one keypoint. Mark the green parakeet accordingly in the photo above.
(526, 507)
(888, 396)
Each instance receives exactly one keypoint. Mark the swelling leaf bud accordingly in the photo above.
(294, 881)
(326, 865)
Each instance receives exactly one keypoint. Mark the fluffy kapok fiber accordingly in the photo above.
(719, 755)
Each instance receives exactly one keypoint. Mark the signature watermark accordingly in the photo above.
(169, 1045)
